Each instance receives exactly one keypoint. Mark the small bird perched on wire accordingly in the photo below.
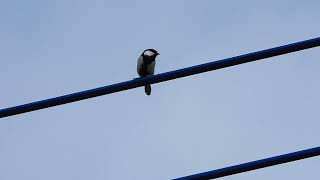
(146, 65)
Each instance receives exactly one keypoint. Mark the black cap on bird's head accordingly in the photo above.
(150, 52)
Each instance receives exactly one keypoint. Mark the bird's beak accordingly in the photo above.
(158, 54)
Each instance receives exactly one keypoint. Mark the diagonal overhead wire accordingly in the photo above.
(259, 55)
(249, 166)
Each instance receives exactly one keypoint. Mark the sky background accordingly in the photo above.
(188, 125)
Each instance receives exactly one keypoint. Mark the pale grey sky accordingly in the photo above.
(187, 126)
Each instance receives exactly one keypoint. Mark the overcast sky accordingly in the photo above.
(187, 126)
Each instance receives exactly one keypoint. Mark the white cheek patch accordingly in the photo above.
(148, 53)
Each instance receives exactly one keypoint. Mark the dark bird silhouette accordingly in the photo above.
(146, 65)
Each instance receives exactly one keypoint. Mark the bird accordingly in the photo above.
(145, 66)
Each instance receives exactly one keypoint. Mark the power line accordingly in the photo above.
(161, 77)
(227, 171)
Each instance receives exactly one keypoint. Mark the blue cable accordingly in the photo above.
(160, 77)
(227, 171)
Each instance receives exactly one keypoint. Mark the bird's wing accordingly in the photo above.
(139, 64)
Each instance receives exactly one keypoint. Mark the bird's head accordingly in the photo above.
(150, 53)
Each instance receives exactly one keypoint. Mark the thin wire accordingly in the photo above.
(161, 77)
(231, 170)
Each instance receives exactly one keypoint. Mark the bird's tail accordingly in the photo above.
(147, 89)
